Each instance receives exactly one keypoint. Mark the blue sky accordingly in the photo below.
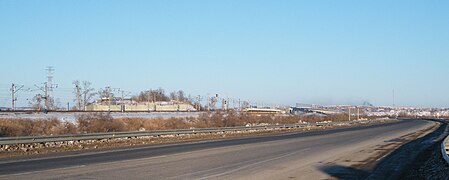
(280, 52)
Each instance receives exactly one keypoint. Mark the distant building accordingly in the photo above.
(254, 110)
(300, 110)
(129, 106)
(310, 109)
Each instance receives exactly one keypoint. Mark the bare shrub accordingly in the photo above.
(28, 127)
(130, 124)
(46, 127)
(9, 127)
(66, 128)
(176, 123)
(98, 122)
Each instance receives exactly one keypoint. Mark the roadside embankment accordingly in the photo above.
(9, 150)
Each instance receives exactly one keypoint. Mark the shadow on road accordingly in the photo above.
(396, 163)
(342, 172)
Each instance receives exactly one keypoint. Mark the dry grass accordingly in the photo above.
(103, 122)
(27, 127)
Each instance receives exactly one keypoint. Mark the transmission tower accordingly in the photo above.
(48, 87)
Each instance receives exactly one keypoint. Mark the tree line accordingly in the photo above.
(85, 95)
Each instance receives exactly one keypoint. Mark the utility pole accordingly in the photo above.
(393, 99)
(109, 102)
(46, 96)
(78, 95)
(123, 98)
(14, 90)
(105, 95)
(12, 94)
(223, 104)
(148, 100)
(349, 109)
(208, 102)
(214, 101)
(240, 107)
(198, 103)
(123, 103)
(227, 102)
(358, 113)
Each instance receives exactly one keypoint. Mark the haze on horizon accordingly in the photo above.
(280, 52)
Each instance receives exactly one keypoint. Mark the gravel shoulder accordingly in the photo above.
(412, 160)
(430, 164)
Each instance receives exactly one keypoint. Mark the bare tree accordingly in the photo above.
(151, 95)
(178, 96)
(36, 102)
(160, 95)
(181, 96)
(106, 94)
(144, 96)
(173, 96)
(83, 93)
(88, 93)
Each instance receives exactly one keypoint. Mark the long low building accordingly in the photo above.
(142, 107)
(262, 111)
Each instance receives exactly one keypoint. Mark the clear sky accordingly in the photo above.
(281, 52)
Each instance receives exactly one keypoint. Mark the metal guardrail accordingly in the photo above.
(445, 149)
(112, 135)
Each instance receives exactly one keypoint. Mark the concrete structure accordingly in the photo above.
(143, 107)
(308, 110)
(262, 111)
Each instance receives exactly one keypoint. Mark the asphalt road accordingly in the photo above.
(287, 156)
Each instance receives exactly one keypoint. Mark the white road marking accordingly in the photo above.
(253, 164)
(233, 165)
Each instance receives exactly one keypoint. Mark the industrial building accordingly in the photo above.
(262, 111)
(164, 106)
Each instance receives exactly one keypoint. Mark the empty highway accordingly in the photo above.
(306, 155)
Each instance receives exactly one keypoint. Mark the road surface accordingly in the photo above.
(289, 156)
